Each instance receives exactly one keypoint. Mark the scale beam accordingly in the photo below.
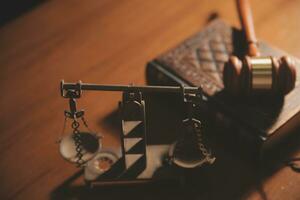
(125, 88)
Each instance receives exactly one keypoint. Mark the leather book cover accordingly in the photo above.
(199, 61)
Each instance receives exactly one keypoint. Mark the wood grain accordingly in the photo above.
(106, 41)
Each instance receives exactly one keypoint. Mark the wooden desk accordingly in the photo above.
(109, 41)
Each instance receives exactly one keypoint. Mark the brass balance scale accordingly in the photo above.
(138, 161)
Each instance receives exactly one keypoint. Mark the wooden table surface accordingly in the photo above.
(109, 41)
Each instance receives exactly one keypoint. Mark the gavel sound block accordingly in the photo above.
(256, 74)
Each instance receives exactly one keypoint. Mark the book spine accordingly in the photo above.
(158, 75)
(235, 136)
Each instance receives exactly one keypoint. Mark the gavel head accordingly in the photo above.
(259, 74)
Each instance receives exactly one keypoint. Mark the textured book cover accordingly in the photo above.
(258, 122)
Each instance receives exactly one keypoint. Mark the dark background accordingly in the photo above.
(10, 9)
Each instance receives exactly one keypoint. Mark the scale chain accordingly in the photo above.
(86, 124)
(200, 142)
(78, 143)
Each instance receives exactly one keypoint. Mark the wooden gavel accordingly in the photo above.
(257, 74)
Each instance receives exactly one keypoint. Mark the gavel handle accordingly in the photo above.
(246, 20)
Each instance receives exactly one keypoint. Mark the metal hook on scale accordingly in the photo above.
(189, 150)
(80, 146)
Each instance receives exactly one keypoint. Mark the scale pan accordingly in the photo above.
(186, 159)
(91, 144)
